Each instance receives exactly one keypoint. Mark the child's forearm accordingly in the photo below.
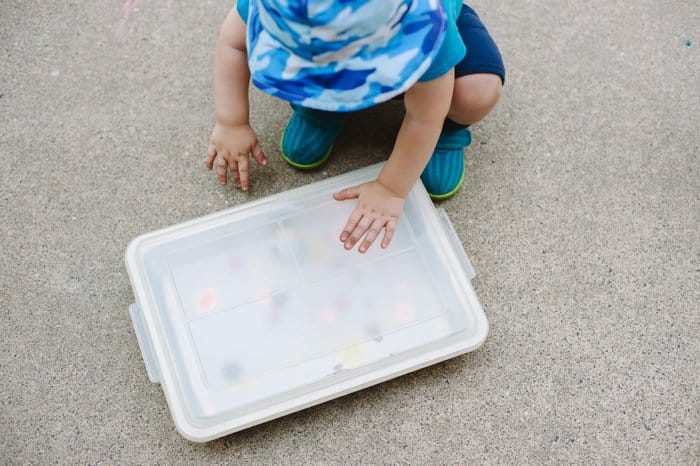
(231, 74)
(427, 105)
(231, 78)
(414, 144)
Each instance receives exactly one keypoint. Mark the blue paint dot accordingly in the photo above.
(232, 371)
(280, 299)
(688, 43)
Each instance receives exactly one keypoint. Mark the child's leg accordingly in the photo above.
(478, 81)
(474, 97)
(480, 75)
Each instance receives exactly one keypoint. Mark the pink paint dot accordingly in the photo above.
(340, 303)
(404, 313)
(275, 316)
(207, 301)
(336, 264)
(402, 286)
(328, 314)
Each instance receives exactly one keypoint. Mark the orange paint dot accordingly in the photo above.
(207, 301)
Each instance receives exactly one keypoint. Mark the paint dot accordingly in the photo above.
(688, 43)
(353, 357)
(404, 313)
(275, 316)
(288, 234)
(319, 253)
(402, 286)
(246, 383)
(328, 314)
(234, 263)
(280, 299)
(374, 332)
(207, 300)
(232, 371)
(340, 303)
(338, 368)
(336, 264)
(265, 296)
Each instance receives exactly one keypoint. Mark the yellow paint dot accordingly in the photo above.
(353, 357)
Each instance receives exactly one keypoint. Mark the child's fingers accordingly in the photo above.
(258, 154)
(362, 226)
(234, 173)
(389, 230)
(244, 172)
(372, 234)
(351, 224)
(222, 165)
(209, 158)
(352, 192)
(233, 168)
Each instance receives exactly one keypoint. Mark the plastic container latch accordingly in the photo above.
(456, 244)
(144, 343)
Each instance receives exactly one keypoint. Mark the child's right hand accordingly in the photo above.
(232, 145)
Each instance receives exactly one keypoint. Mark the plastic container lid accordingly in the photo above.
(258, 311)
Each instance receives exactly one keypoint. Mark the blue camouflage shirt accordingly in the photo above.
(451, 52)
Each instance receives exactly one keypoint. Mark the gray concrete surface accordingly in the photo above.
(580, 212)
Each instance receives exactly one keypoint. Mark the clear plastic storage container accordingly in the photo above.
(258, 311)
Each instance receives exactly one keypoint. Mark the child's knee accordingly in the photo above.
(474, 97)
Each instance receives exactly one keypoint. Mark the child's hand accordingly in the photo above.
(232, 145)
(377, 209)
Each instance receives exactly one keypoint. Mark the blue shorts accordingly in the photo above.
(482, 53)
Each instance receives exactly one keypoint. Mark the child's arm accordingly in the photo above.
(232, 139)
(380, 202)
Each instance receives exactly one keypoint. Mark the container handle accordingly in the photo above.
(456, 244)
(144, 344)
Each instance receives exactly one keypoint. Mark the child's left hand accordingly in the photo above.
(377, 209)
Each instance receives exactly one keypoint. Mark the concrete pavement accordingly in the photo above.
(580, 211)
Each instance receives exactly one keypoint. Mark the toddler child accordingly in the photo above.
(331, 57)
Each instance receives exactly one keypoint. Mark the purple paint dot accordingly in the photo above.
(234, 263)
(276, 253)
(374, 332)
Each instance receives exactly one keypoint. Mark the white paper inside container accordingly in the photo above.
(257, 311)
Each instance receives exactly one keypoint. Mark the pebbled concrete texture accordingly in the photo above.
(580, 212)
